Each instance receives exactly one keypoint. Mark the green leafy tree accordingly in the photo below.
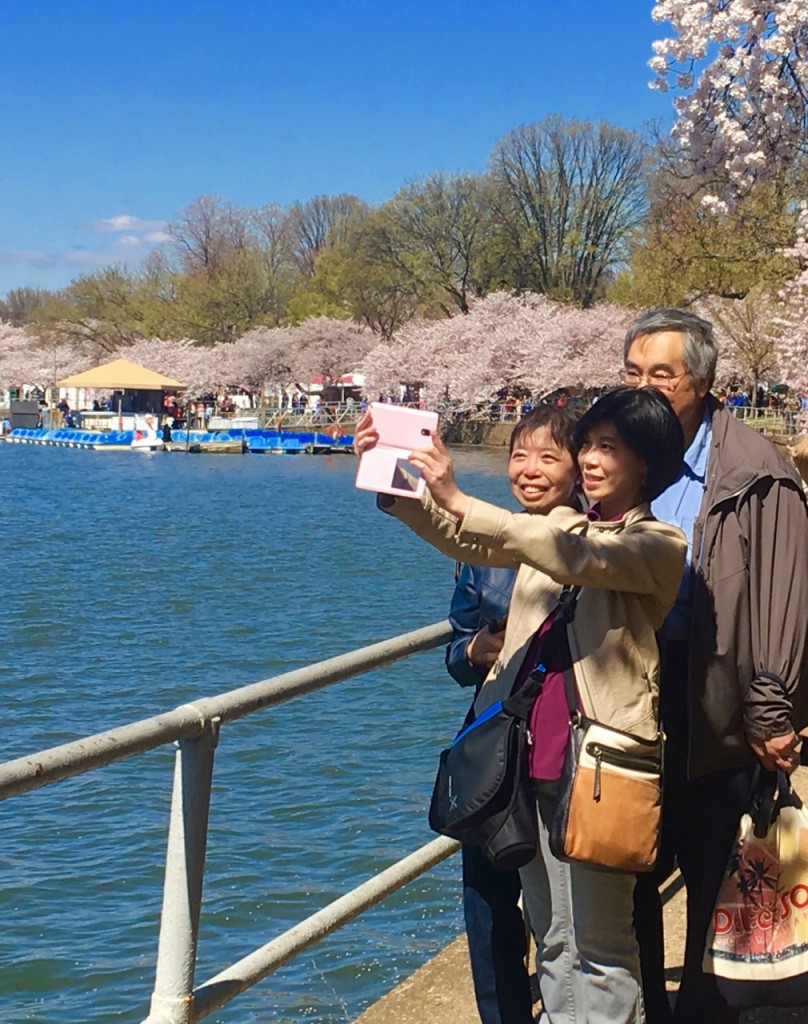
(313, 226)
(241, 294)
(104, 310)
(20, 304)
(684, 252)
(568, 195)
(355, 279)
(434, 233)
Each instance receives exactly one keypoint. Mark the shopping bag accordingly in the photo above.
(757, 945)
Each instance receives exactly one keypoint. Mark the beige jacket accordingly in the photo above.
(629, 571)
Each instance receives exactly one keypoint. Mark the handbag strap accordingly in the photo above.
(569, 603)
(521, 702)
(771, 791)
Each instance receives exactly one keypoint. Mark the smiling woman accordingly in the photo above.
(612, 474)
(630, 447)
(603, 662)
(541, 469)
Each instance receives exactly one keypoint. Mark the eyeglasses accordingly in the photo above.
(661, 380)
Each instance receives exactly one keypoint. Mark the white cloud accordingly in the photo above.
(135, 245)
(126, 222)
(128, 240)
(83, 257)
(27, 257)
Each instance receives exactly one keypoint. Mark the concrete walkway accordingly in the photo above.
(440, 992)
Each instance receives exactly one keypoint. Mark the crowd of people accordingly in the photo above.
(687, 533)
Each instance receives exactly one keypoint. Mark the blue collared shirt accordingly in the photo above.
(679, 505)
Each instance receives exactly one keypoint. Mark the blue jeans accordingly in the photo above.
(497, 943)
(587, 957)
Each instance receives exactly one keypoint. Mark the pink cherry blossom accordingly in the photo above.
(505, 342)
(741, 70)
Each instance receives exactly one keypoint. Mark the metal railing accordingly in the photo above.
(766, 420)
(310, 419)
(195, 729)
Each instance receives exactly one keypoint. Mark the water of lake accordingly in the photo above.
(133, 583)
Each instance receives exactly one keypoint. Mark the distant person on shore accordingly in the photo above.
(628, 566)
(543, 475)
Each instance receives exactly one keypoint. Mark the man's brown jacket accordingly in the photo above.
(749, 616)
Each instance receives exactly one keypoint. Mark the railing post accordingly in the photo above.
(172, 999)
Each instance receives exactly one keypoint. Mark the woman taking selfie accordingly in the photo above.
(629, 449)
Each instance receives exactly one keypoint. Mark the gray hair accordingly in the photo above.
(700, 350)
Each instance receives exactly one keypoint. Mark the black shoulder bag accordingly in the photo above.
(482, 794)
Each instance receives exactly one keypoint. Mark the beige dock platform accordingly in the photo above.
(440, 992)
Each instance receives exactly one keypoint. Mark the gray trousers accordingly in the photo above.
(587, 958)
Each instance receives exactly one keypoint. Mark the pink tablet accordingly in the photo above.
(400, 431)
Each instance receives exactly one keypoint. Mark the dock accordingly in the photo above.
(234, 442)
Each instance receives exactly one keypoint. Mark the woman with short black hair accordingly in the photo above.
(643, 419)
(628, 566)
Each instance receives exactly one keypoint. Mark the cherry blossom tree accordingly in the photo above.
(748, 331)
(324, 346)
(793, 342)
(741, 67)
(15, 361)
(592, 342)
(196, 366)
(29, 360)
(259, 360)
(527, 344)
(264, 358)
(793, 357)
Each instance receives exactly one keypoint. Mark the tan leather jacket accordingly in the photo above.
(629, 571)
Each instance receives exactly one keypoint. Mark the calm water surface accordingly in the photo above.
(133, 583)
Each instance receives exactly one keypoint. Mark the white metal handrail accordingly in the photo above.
(189, 720)
(240, 976)
(195, 728)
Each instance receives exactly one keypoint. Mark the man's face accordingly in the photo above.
(658, 356)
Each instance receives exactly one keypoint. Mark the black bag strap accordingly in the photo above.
(771, 791)
(570, 603)
(521, 702)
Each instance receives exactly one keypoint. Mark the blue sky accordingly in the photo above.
(114, 117)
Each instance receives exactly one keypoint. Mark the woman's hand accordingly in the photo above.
(365, 434)
(435, 466)
(484, 647)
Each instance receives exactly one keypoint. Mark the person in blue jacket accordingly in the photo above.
(542, 474)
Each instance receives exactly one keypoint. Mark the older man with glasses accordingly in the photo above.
(733, 648)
